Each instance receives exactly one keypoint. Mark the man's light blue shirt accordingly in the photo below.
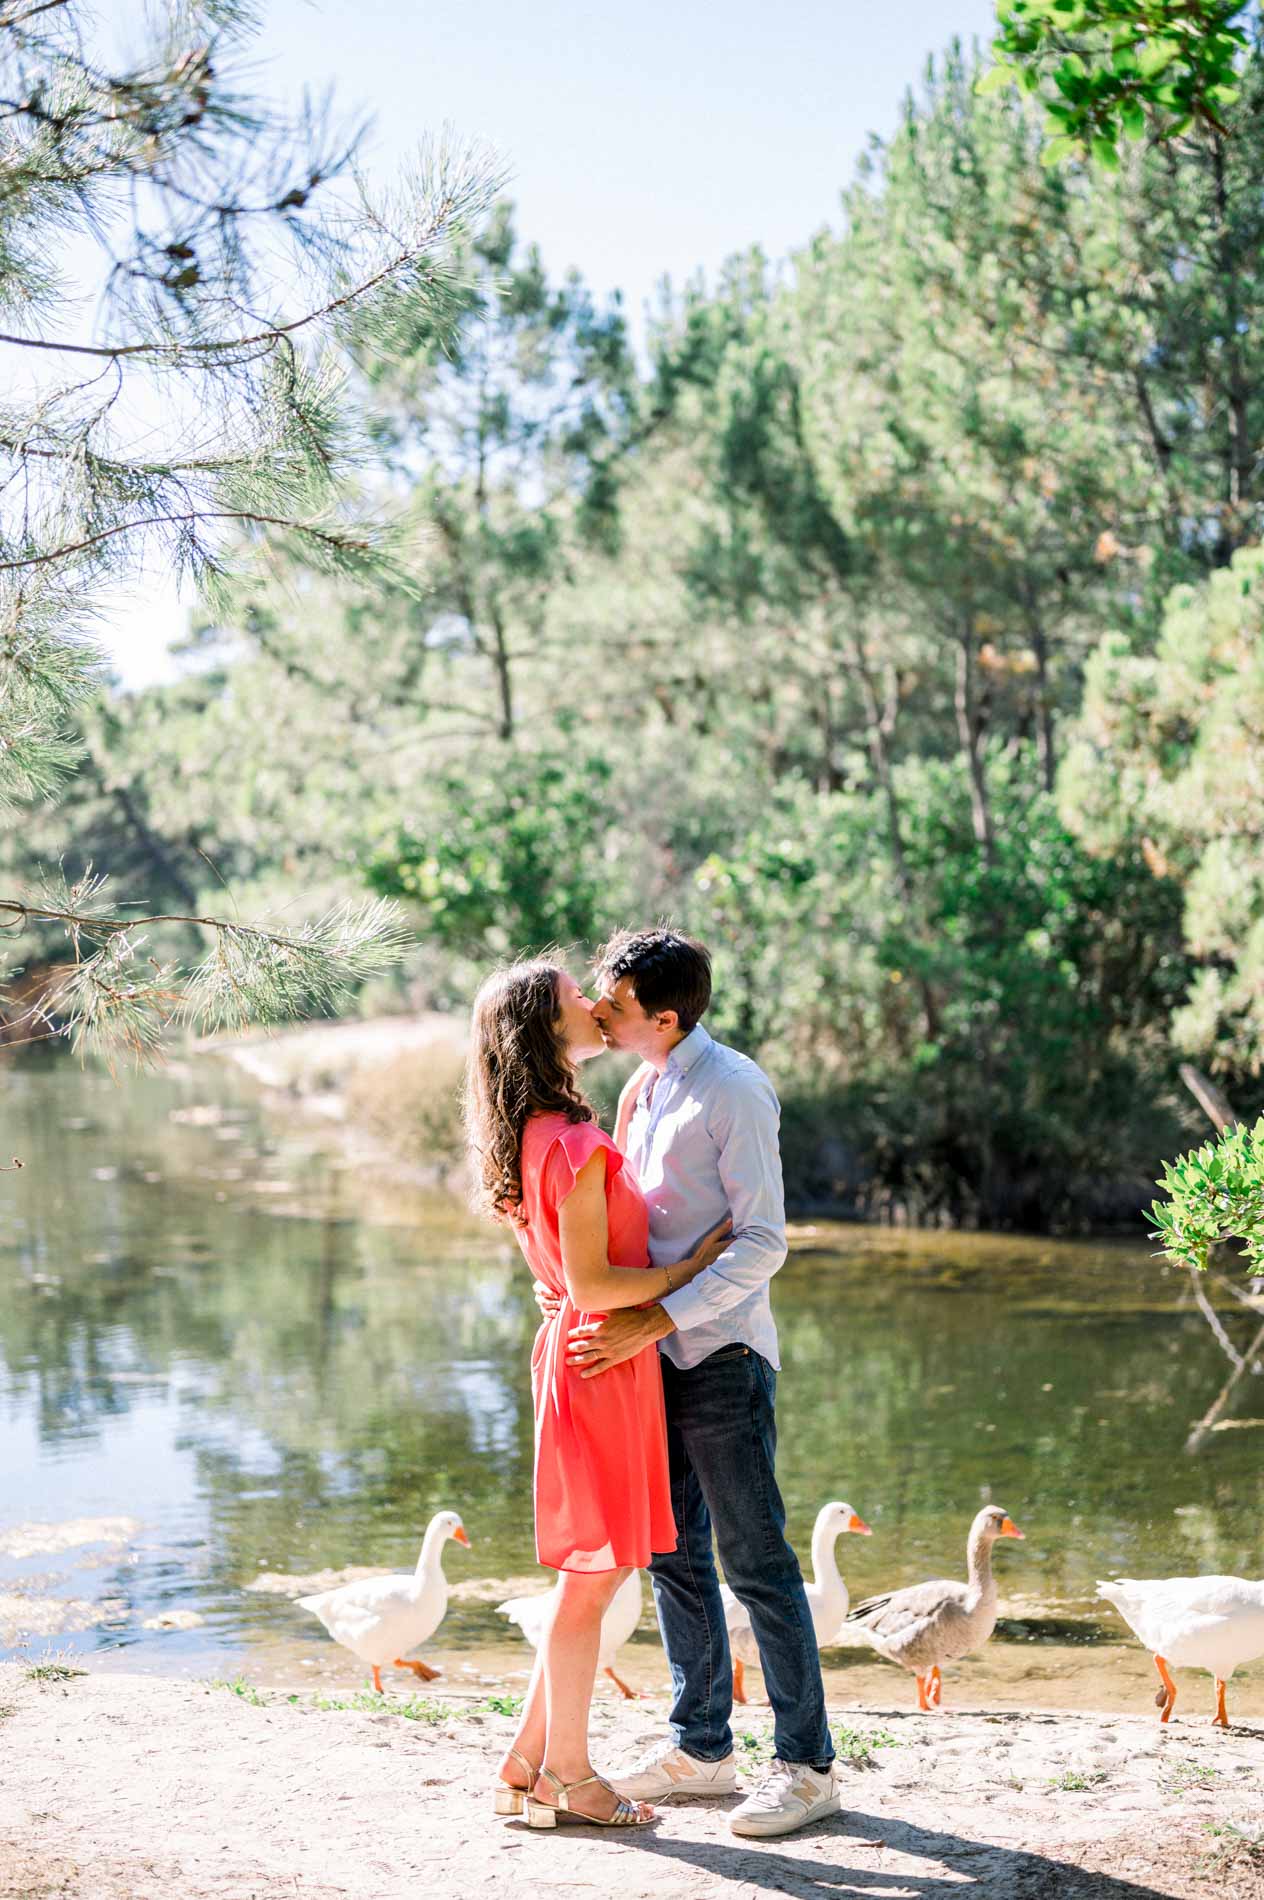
(703, 1143)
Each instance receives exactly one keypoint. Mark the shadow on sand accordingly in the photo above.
(849, 1856)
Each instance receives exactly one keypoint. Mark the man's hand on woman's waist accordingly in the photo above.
(599, 1344)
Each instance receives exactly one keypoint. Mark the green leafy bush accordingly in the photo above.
(508, 855)
(1214, 1194)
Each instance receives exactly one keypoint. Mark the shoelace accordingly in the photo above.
(652, 1758)
(778, 1779)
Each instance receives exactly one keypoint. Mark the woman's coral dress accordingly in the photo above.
(602, 1490)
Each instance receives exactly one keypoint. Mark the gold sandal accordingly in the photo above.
(511, 1800)
(548, 1813)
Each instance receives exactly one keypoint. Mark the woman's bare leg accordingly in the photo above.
(532, 1726)
(569, 1654)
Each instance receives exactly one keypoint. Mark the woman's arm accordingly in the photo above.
(593, 1284)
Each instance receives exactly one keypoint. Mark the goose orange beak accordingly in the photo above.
(1009, 1529)
(858, 1525)
(461, 1538)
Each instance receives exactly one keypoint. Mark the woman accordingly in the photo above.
(602, 1493)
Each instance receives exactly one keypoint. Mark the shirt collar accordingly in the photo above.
(688, 1049)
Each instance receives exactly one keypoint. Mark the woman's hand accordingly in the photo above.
(709, 1248)
(547, 1300)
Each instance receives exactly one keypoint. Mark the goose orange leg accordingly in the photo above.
(621, 1686)
(1220, 1718)
(924, 1702)
(739, 1681)
(377, 1677)
(1166, 1698)
(421, 1670)
(936, 1682)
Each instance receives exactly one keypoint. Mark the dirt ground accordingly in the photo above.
(123, 1787)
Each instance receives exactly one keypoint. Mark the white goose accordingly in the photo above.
(621, 1618)
(1212, 1623)
(827, 1594)
(378, 1618)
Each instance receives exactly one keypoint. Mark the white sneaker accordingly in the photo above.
(790, 1795)
(666, 1773)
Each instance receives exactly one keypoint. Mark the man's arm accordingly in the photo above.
(744, 1124)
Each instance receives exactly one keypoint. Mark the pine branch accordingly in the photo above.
(235, 264)
(112, 998)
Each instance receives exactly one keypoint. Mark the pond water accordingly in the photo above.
(224, 1352)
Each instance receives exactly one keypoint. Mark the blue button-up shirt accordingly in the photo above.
(703, 1143)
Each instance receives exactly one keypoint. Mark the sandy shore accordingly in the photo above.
(131, 1788)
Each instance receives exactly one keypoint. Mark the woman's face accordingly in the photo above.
(580, 1034)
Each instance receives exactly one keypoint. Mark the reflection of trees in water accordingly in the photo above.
(398, 1390)
(364, 1374)
(338, 1381)
(908, 1391)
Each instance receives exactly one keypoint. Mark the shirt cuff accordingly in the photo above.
(685, 1308)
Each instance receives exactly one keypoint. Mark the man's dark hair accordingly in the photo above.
(668, 971)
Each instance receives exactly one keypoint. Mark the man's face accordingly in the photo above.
(622, 1021)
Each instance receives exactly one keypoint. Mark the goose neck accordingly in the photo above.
(824, 1561)
(431, 1550)
(979, 1561)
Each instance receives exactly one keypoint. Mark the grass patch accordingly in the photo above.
(752, 1749)
(503, 1704)
(368, 1702)
(859, 1746)
(1236, 1848)
(238, 1686)
(1077, 1780)
(1180, 1776)
(52, 1672)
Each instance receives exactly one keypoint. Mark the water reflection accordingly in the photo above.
(209, 1326)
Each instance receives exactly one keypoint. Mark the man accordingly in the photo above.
(701, 1128)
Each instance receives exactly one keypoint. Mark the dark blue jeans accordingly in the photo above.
(722, 1440)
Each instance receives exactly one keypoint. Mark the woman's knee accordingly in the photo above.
(589, 1590)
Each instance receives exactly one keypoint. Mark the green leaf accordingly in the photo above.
(1060, 148)
(995, 80)
(1133, 116)
(1157, 56)
(1105, 153)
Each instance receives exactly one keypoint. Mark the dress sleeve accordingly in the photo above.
(569, 1152)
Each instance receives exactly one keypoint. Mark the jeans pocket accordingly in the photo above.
(721, 1353)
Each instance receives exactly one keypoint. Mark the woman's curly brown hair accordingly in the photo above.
(517, 1068)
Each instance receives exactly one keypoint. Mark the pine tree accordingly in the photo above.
(200, 416)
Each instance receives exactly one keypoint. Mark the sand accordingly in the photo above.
(121, 1787)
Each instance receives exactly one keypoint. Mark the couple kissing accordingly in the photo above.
(653, 1374)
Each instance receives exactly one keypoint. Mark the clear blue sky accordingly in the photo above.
(642, 141)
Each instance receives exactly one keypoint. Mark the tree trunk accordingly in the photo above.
(879, 724)
(1239, 460)
(504, 675)
(970, 733)
(1044, 707)
(880, 717)
(1209, 1098)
